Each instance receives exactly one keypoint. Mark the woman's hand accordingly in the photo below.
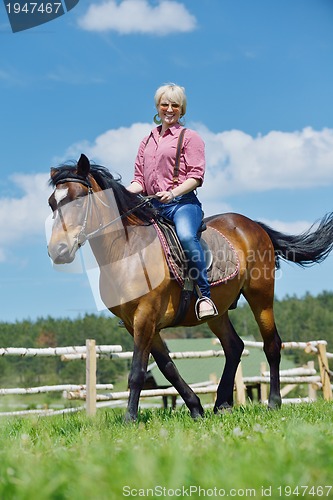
(186, 187)
(165, 196)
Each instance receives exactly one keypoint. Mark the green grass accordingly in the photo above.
(75, 457)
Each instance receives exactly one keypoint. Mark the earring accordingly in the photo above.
(157, 119)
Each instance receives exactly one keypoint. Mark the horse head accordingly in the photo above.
(88, 202)
(71, 206)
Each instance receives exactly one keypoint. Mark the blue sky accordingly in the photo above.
(259, 81)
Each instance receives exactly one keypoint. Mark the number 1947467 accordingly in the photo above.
(33, 7)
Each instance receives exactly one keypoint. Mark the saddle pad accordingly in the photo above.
(225, 265)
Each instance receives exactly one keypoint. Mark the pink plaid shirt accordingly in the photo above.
(154, 164)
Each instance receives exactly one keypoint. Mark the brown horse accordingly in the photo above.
(137, 286)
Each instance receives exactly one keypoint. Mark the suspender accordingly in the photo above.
(177, 160)
(175, 177)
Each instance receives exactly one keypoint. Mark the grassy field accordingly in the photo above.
(249, 453)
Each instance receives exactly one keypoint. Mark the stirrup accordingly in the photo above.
(210, 313)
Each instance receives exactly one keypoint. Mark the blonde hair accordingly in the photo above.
(173, 93)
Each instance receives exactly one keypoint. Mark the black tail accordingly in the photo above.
(305, 249)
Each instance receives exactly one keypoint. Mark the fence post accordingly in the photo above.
(240, 387)
(312, 391)
(91, 377)
(263, 386)
(324, 371)
(213, 380)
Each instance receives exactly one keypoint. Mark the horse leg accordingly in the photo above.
(143, 334)
(272, 349)
(233, 347)
(264, 315)
(169, 370)
(135, 381)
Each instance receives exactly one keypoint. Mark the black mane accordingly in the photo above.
(126, 201)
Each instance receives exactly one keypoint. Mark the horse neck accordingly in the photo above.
(111, 245)
(111, 240)
(121, 242)
(118, 239)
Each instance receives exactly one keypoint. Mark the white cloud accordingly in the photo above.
(236, 161)
(23, 217)
(116, 149)
(291, 227)
(278, 160)
(138, 16)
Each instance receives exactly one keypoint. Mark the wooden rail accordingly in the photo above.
(91, 352)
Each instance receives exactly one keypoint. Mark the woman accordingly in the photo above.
(155, 174)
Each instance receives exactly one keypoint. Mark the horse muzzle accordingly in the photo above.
(62, 253)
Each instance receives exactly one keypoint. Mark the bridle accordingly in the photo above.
(82, 236)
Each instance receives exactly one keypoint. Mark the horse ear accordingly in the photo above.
(53, 172)
(83, 166)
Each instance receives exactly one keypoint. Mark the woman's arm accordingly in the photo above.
(186, 187)
(135, 187)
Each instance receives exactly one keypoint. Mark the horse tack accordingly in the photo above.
(225, 264)
(258, 248)
(221, 258)
(175, 257)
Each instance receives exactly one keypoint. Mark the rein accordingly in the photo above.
(113, 221)
(90, 203)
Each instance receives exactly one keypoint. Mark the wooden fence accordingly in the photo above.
(91, 352)
(291, 378)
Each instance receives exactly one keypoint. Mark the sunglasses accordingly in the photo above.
(165, 105)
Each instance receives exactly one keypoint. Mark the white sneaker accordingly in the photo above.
(205, 308)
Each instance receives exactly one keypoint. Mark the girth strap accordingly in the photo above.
(184, 303)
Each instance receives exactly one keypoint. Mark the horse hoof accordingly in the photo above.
(129, 419)
(222, 409)
(274, 404)
(196, 414)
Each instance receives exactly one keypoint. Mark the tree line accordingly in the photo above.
(298, 319)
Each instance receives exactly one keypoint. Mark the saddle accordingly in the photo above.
(221, 260)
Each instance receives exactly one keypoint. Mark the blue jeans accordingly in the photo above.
(186, 214)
